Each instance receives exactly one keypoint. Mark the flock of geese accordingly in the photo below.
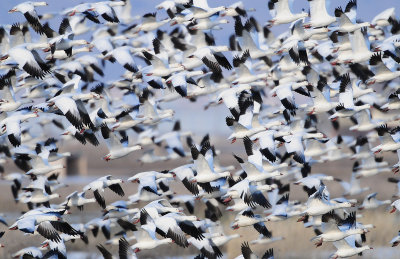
(326, 71)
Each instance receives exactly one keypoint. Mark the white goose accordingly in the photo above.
(117, 148)
(347, 19)
(102, 183)
(123, 56)
(78, 200)
(396, 240)
(331, 231)
(205, 173)
(28, 60)
(208, 24)
(382, 72)
(344, 249)
(370, 202)
(12, 126)
(319, 204)
(28, 10)
(319, 15)
(106, 10)
(281, 13)
(146, 240)
(347, 107)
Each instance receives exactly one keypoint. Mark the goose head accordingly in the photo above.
(4, 57)
(79, 42)
(107, 157)
(223, 21)
(28, 116)
(235, 226)
(115, 126)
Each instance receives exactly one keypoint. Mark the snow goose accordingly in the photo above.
(117, 148)
(159, 68)
(236, 9)
(73, 109)
(359, 46)
(346, 108)
(207, 24)
(319, 16)
(202, 12)
(37, 195)
(150, 112)
(173, 140)
(28, 10)
(261, 240)
(106, 10)
(145, 194)
(247, 218)
(146, 241)
(382, 19)
(321, 100)
(147, 180)
(281, 13)
(77, 199)
(347, 19)
(319, 204)
(245, 37)
(240, 131)
(364, 122)
(205, 174)
(167, 226)
(126, 119)
(230, 97)
(382, 72)
(353, 187)
(185, 173)
(56, 248)
(102, 183)
(149, 23)
(396, 240)
(371, 172)
(28, 251)
(28, 60)
(294, 146)
(250, 194)
(395, 206)
(12, 126)
(181, 80)
(83, 136)
(389, 140)
(207, 247)
(331, 231)
(46, 223)
(345, 249)
(284, 92)
(279, 210)
(213, 58)
(247, 253)
(120, 213)
(393, 102)
(244, 76)
(372, 162)
(370, 202)
(123, 56)
(65, 41)
(8, 102)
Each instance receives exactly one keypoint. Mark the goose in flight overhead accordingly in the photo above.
(28, 10)
(281, 13)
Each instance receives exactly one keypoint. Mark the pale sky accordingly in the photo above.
(212, 120)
